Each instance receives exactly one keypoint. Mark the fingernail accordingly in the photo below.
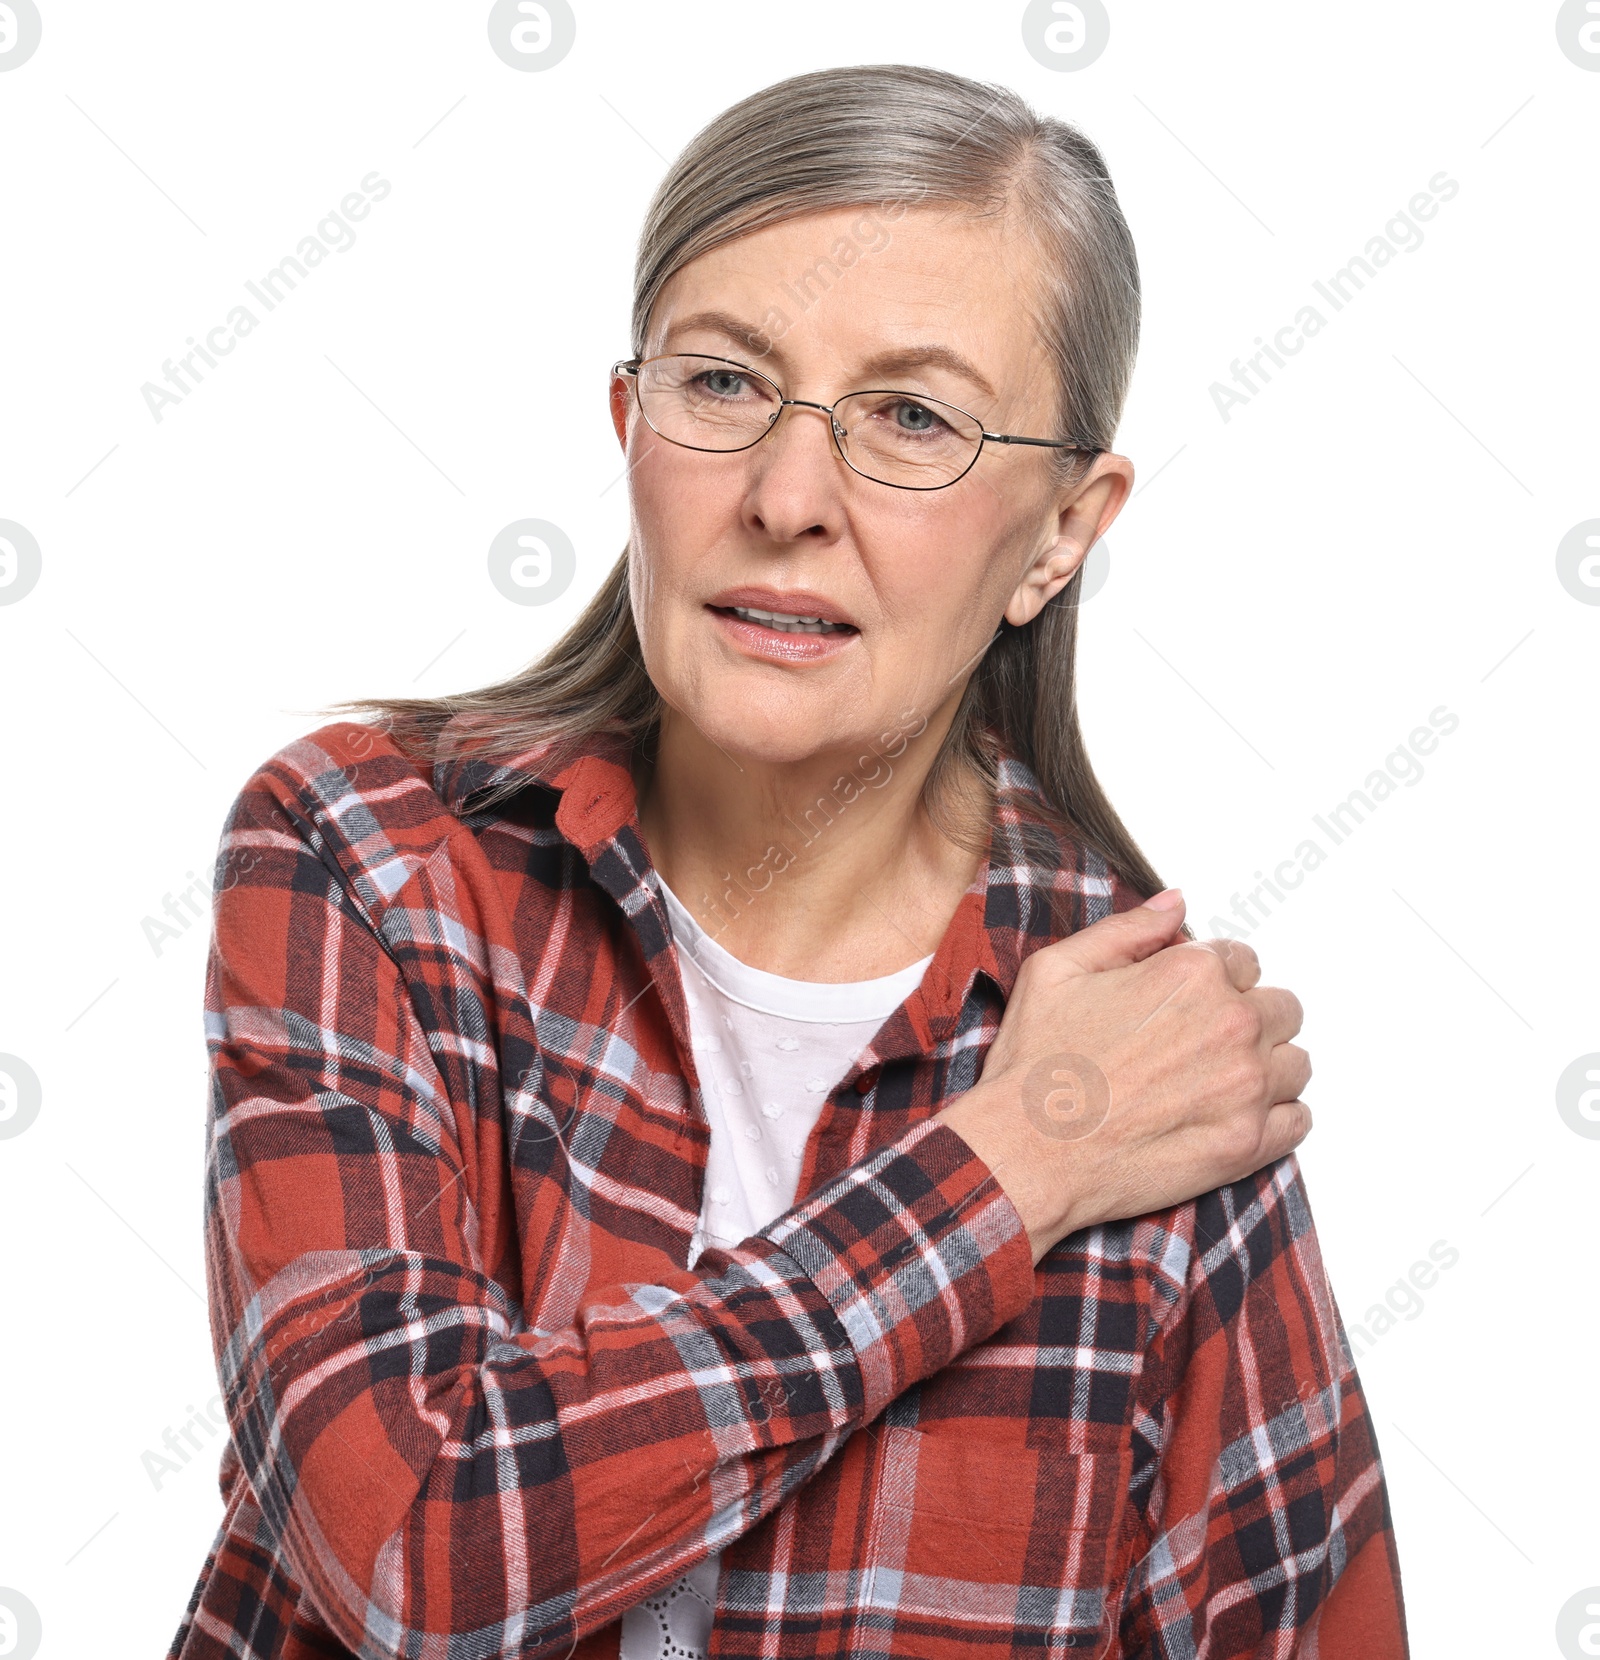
(1169, 899)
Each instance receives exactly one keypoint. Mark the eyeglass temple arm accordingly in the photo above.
(1048, 443)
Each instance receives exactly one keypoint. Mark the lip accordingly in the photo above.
(771, 645)
(792, 602)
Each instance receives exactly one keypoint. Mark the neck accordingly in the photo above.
(828, 868)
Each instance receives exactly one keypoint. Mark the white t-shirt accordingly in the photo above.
(769, 1052)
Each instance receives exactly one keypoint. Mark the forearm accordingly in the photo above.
(406, 1440)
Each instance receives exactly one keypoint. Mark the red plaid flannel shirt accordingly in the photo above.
(478, 1406)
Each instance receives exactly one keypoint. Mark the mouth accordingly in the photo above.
(783, 622)
(786, 630)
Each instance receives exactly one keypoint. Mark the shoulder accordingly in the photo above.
(1244, 1232)
(1245, 1255)
(349, 796)
(1047, 876)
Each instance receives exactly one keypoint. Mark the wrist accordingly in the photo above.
(1037, 1180)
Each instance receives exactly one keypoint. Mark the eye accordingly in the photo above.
(915, 419)
(722, 383)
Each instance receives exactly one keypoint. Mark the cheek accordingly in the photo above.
(679, 517)
(655, 586)
(946, 570)
(682, 503)
(674, 522)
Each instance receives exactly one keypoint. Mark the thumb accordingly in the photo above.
(1123, 937)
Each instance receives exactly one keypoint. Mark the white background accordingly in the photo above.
(1291, 592)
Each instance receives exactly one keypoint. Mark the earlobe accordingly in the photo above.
(619, 409)
(1050, 572)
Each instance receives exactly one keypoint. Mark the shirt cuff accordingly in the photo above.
(919, 1252)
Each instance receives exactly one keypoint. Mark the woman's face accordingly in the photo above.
(934, 304)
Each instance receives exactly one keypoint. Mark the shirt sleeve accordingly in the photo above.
(1262, 1518)
(426, 1467)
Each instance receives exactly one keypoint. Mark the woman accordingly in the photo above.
(710, 1152)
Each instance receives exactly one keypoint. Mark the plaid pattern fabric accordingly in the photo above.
(478, 1406)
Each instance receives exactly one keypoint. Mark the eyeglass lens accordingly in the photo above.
(895, 437)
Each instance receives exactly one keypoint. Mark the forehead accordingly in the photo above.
(828, 290)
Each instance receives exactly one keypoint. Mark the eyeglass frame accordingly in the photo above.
(632, 366)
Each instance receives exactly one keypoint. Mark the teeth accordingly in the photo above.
(786, 624)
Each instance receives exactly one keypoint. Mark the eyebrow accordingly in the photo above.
(891, 362)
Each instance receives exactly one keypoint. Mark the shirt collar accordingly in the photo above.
(1037, 884)
(467, 770)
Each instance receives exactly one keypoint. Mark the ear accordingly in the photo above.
(621, 404)
(1052, 569)
(1081, 518)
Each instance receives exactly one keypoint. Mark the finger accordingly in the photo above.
(1287, 1125)
(1115, 941)
(1244, 966)
(1239, 961)
(1280, 1010)
(1288, 1072)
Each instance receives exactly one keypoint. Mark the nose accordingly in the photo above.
(794, 489)
(822, 408)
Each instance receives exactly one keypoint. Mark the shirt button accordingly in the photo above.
(866, 1080)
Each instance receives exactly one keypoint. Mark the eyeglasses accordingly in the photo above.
(897, 438)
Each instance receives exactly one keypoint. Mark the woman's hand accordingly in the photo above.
(1131, 1073)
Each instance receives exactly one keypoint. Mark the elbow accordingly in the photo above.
(476, 1609)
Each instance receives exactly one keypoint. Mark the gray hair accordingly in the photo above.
(888, 135)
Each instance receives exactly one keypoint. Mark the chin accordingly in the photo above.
(774, 739)
(775, 727)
